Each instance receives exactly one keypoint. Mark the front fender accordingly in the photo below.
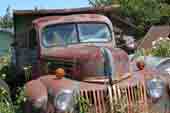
(55, 85)
(163, 61)
(36, 94)
(160, 64)
(151, 61)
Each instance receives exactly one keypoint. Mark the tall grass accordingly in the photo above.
(6, 105)
(83, 104)
(20, 100)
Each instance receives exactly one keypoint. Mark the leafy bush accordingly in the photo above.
(161, 47)
(8, 74)
(6, 105)
(83, 104)
(4, 64)
(20, 100)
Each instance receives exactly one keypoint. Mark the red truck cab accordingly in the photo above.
(83, 46)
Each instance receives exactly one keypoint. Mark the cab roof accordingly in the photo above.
(44, 21)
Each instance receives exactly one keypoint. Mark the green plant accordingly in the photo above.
(7, 21)
(6, 105)
(4, 63)
(6, 70)
(103, 2)
(20, 100)
(83, 104)
(161, 47)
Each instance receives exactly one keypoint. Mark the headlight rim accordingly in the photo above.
(68, 106)
(159, 90)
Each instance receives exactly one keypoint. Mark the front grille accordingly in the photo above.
(61, 63)
(65, 63)
(96, 99)
(114, 99)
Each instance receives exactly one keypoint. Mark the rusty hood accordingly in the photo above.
(82, 52)
(54, 85)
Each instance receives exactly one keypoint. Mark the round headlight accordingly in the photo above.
(155, 88)
(64, 101)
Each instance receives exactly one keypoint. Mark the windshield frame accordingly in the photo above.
(77, 33)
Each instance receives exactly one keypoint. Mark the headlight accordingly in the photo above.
(168, 70)
(64, 101)
(155, 88)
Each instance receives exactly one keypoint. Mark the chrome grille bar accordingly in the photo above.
(96, 99)
(130, 99)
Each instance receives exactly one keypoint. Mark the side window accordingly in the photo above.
(32, 39)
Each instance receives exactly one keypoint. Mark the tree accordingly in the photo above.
(6, 21)
(102, 2)
(165, 1)
(143, 13)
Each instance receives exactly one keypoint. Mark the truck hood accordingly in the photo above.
(54, 85)
(76, 52)
(49, 84)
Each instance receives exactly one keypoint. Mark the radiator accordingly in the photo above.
(116, 99)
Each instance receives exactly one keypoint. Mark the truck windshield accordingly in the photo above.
(94, 32)
(64, 34)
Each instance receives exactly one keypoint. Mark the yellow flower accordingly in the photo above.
(24, 99)
(4, 75)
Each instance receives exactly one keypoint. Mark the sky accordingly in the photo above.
(41, 4)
